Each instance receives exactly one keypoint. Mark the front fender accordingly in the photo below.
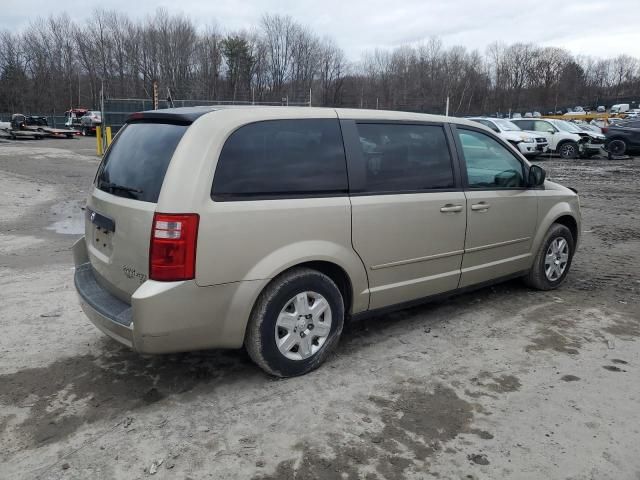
(549, 217)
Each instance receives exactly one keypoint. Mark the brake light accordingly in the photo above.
(605, 129)
(172, 254)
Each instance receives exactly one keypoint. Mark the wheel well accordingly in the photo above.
(339, 277)
(569, 222)
(566, 140)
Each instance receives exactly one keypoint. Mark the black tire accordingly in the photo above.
(568, 150)
(537, 278)
(260, 338)
(617, 147)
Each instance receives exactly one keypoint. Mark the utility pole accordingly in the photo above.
(446, 111)
(155, 95)
(309, 96)
(104, 123)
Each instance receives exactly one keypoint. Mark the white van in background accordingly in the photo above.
(619, 108)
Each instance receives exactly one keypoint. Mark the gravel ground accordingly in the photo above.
(503, 382)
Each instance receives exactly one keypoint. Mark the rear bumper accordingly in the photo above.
(165, 317)
(108, 313)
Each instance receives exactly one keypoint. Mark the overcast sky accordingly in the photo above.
(602, 28)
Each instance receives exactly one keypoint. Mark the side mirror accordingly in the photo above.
(537, 176)
(551, 131)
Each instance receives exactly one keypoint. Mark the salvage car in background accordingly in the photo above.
(529, 144)
(623, 137)
(89, 122)
(562, 139)
(596, 139)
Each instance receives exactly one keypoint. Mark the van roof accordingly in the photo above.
(191, 114)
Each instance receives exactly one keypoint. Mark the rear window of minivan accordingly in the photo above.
(136, 163)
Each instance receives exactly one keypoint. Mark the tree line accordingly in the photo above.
(56, 63)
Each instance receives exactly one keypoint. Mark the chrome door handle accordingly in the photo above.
(449, 208)
(482, 206)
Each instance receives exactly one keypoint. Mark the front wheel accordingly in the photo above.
(568, 150)
(295, 323)
(553, 260)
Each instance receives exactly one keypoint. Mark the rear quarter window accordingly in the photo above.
(282, 159)
(136, 163)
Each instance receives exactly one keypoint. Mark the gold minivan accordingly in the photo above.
(269, 226)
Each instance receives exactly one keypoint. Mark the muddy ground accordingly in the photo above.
(504, 382)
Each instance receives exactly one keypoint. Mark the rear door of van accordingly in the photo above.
(120, 209)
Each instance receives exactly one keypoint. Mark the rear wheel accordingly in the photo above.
(617, 147)
(568, 150)
(296, 323)
(553, 260)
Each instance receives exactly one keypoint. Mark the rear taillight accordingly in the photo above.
(605, 129)
(172, 255)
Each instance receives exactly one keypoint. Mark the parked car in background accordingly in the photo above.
(529, 144)
(595, 142)
(589, 127)
(268, 227)
(90, 121)
(626, 136)
(601, 109)
(562, 140)
(73, 117)
(633, 113)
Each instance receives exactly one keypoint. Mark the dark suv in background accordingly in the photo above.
(623, 137)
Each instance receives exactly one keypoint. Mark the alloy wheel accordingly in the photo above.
(556, 259)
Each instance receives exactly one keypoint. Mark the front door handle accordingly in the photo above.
(481, 207)
(450, 208)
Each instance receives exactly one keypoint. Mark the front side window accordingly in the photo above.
(541, 126)
(405, 158)
(489, 164)
(282, 158)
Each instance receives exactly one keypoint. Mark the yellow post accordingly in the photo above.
(107, 130)
(99, 150)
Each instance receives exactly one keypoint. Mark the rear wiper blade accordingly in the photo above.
(114, 186)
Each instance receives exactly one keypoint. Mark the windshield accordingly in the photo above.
(567, 126)
(508, 126)
(135, 165)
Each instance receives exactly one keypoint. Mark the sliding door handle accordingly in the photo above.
(481, 207)
(450, 208)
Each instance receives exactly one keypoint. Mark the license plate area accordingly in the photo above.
(102, 231)
(102, 240)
